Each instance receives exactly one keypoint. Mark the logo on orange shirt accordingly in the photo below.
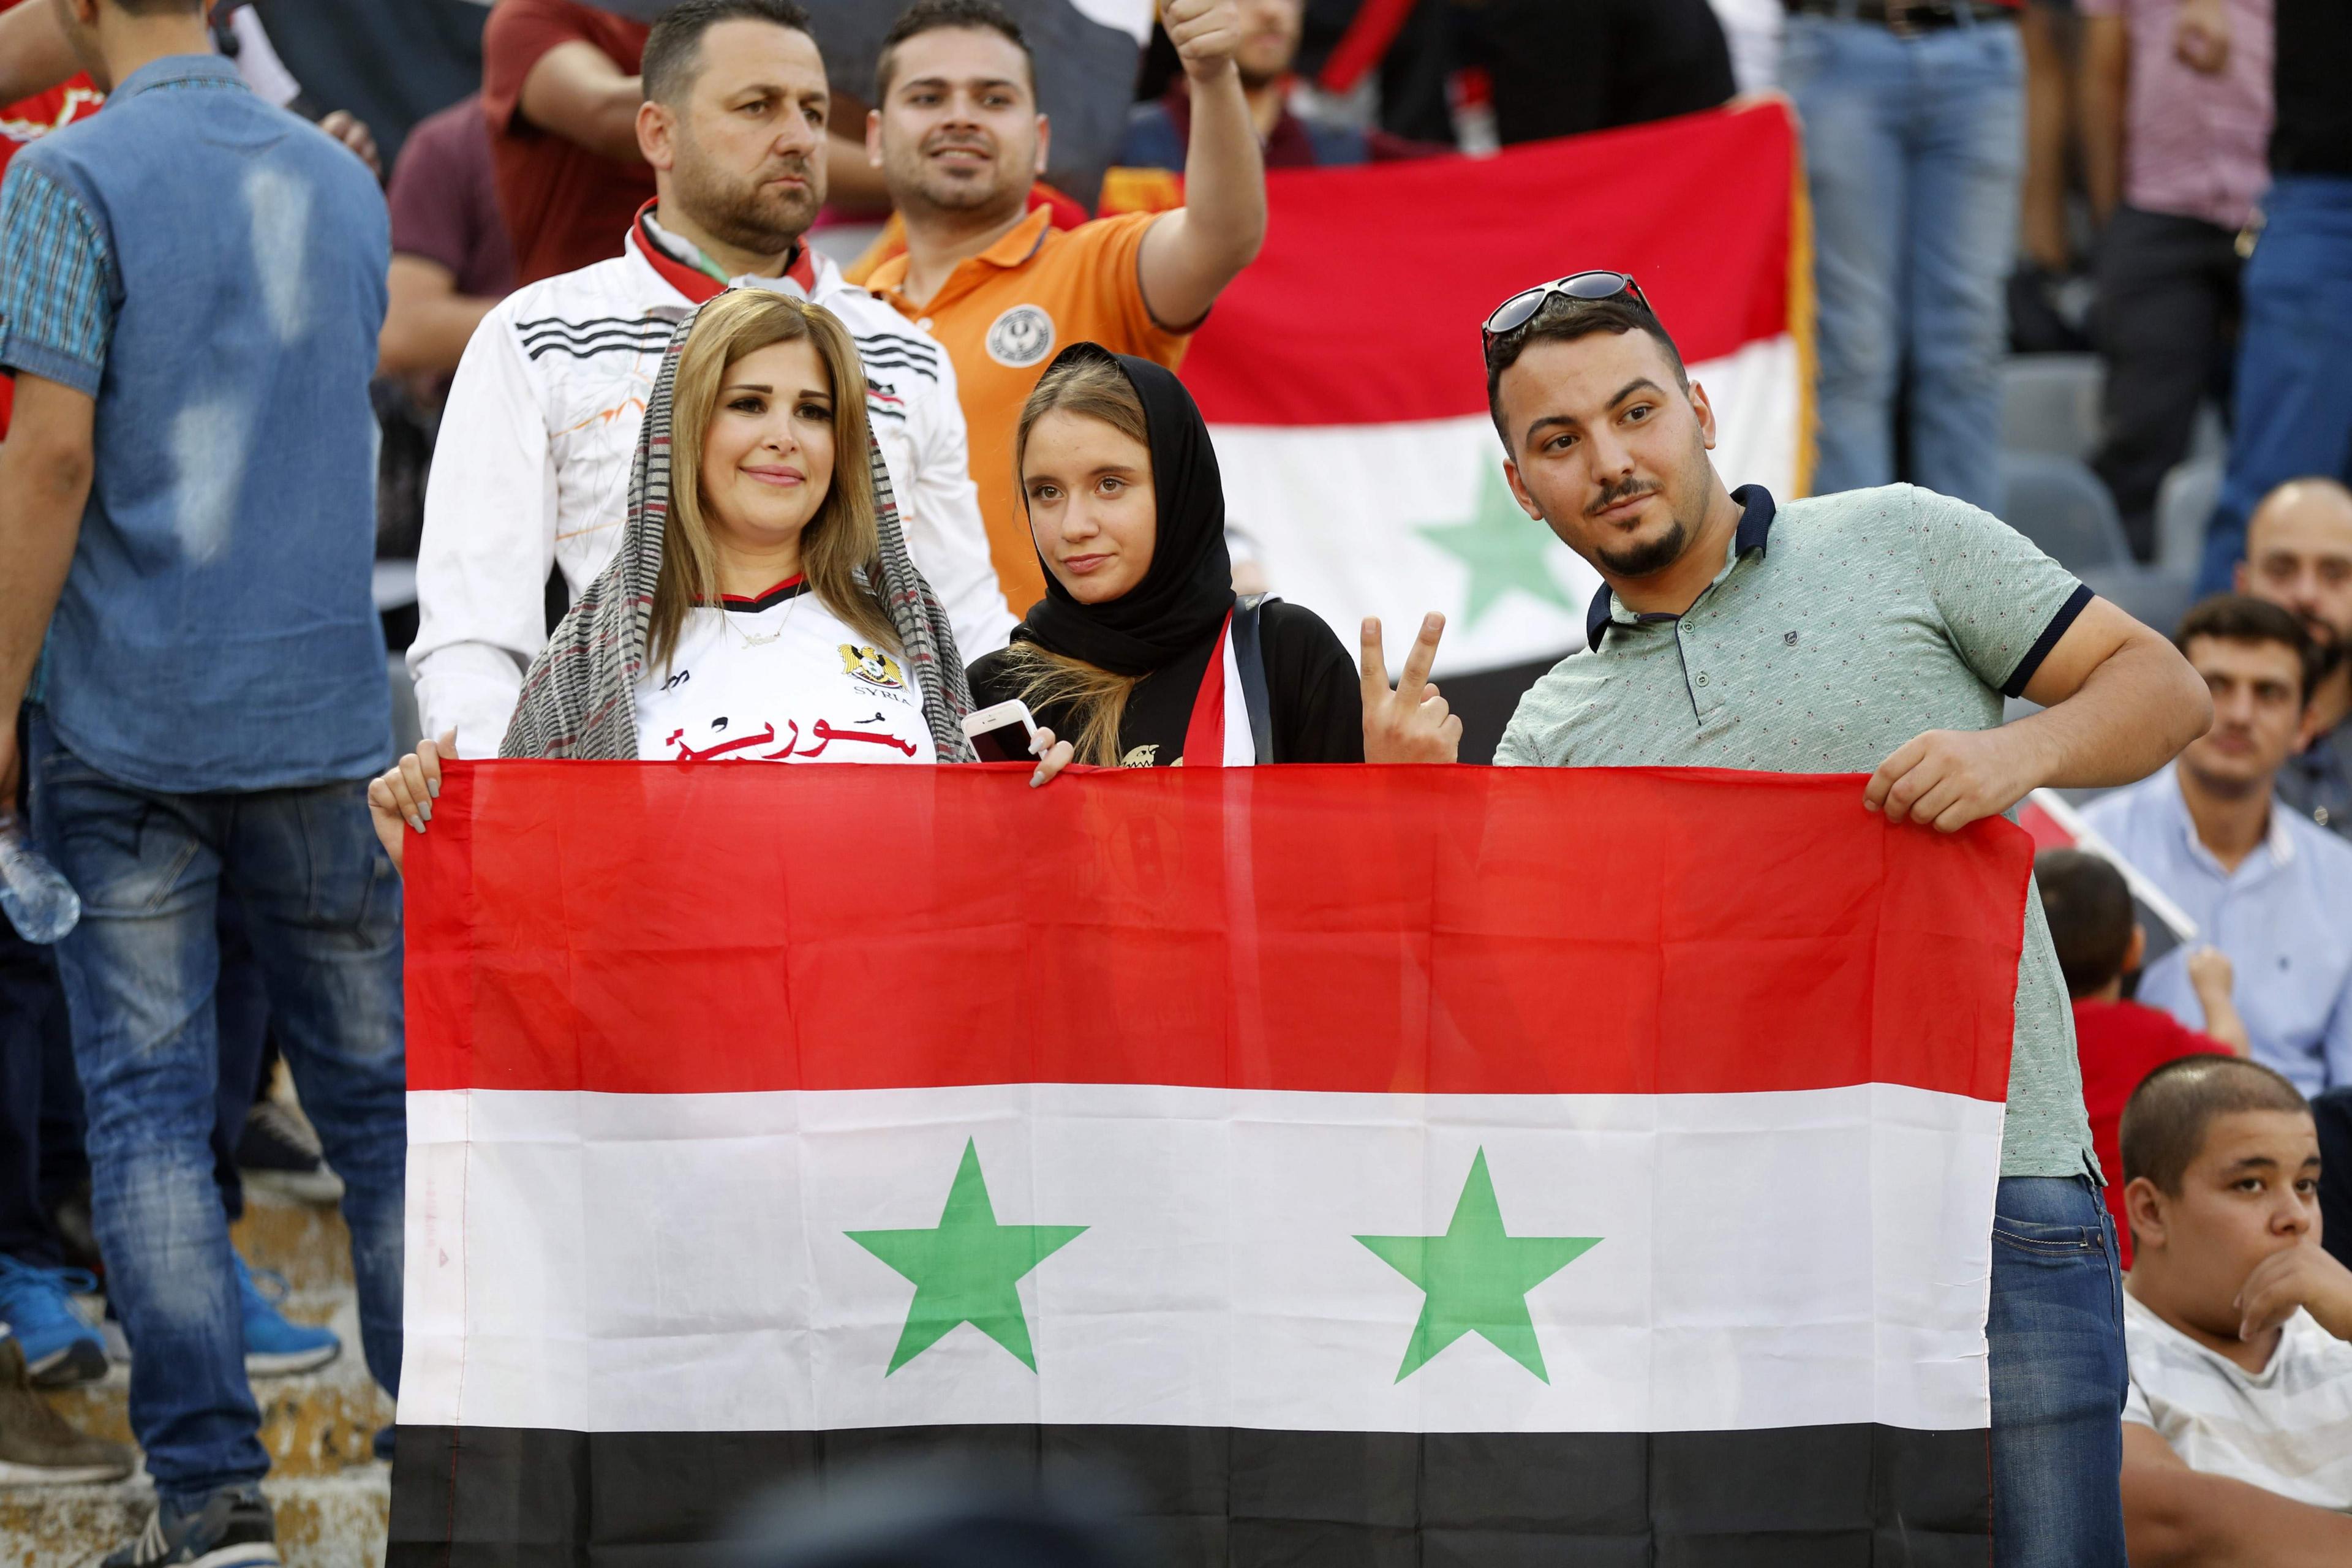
(1021, 337)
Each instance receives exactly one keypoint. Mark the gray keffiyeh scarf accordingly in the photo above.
(576, 695)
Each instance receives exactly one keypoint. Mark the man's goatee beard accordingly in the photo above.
(1644, 560)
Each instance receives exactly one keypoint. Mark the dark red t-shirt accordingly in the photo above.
(445, 201)
(565, 206)
(2120, 1043)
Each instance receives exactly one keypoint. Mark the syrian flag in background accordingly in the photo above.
(1379, 1165)
(1342, 378)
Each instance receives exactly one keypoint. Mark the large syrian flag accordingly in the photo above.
(1380, 1166)
(1342, 379)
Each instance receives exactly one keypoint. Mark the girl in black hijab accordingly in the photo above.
(1140, 653)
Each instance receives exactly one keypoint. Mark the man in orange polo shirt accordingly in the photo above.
(959, 140)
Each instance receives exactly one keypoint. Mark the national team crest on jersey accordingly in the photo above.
(872, 666)
(1021, 337)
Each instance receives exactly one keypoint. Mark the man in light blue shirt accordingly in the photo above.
(2266, 886)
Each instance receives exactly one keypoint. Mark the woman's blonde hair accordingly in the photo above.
(840, 548)
(1091, 388)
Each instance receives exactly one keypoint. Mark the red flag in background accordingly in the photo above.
(1342, 378)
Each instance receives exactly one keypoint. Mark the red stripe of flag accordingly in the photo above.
(663, 929)
(1362, 46)
(1365, 304)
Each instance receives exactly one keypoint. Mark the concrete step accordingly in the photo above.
(317, 1423)
(323, 1521)
(305, 1242)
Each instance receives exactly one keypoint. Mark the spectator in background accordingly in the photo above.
(2293, 402)
(451, 263)
(1159, 133)
(2299, 556)
(1914, 150)
(1751, 28)
(214, 691)
(40, 1152)
(42, 1133)
(2266, 887)
(532, 467)
(1560, 67)
(560, 85)
(2173, 135)
(390, 62)
(451, 260)
(2237, 1320)
(2046, 35)
(960, 140)
(2118, 1042)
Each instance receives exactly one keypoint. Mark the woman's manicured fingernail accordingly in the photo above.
(417, 825)
(426, 807)
(432, 788)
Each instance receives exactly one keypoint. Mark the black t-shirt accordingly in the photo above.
(2313, 132)
(1563, 66)
(1311, 685)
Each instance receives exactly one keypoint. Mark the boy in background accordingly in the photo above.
(2236, 1323)
(2089, 907)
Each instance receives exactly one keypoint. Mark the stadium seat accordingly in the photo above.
(394, 585)
(2182, 508)
(2050, 404)
(407, 730)
(2062, 505)
(2208, 437)
(2156, 596)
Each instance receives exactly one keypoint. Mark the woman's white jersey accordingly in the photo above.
(779, 679)
(531, 468)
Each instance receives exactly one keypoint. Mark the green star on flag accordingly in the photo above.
(1503, 547)
(1476, 1276)
(965, 1269)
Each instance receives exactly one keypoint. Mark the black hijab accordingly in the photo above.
(1184, 596)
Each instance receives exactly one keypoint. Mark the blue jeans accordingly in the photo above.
(2056, 1340)
(321, 909)
(2292, 398)
(1914, 151)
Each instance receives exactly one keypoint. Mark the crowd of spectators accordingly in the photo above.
(425, 293)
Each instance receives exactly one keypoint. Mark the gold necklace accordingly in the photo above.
(749, 640)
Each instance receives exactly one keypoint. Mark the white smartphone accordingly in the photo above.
(1003, 733)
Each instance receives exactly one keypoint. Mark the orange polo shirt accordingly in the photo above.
(1002, 315)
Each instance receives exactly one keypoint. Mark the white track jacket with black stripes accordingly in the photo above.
(531, 468)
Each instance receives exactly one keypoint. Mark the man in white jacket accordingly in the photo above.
(532, 465)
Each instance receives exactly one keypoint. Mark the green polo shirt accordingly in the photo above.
(1839, 627)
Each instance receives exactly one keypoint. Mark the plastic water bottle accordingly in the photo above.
(39, 903)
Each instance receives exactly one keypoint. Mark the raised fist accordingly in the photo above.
(1206, 33)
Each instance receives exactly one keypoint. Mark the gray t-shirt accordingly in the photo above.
(1839, 627)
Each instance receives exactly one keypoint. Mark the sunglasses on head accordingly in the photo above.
(1522, 307)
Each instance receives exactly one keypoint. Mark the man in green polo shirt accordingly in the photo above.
(1875, 631)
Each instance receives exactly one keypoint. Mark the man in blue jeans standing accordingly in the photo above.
(2292, 399)
(1873, 631)
(1915, 146)
(191, 286)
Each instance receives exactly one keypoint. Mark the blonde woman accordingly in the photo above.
(1140, 652)
(765, 612)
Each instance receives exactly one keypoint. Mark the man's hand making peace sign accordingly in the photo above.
(1412, 722)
